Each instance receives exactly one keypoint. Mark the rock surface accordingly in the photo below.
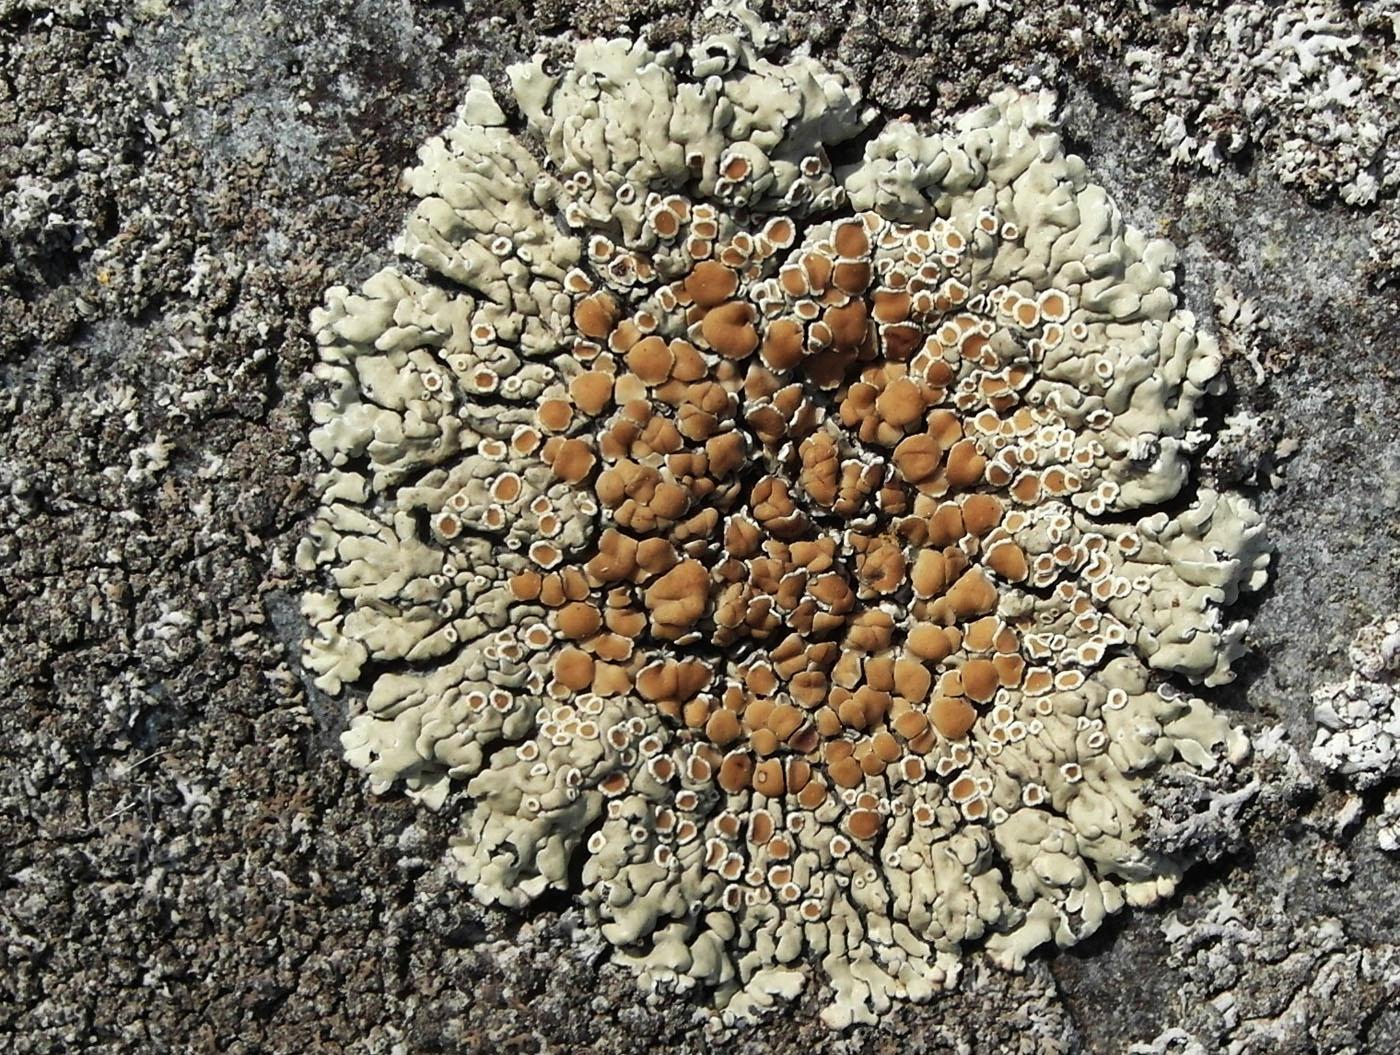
(187, 864)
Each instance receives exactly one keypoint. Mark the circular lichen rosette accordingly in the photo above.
(767, 541)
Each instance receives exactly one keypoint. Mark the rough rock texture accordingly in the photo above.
(187, 864)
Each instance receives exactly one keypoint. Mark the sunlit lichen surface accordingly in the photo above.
(765, 539)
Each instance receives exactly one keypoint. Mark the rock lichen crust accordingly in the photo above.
(1358, 720)
(766, 542)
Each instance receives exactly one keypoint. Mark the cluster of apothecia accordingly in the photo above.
(763, 533)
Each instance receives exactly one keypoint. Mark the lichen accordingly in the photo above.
(767, 538)
(1358, 718)
(1312, 84)
(1254, 978)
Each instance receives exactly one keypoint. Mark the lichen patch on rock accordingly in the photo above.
(1358, 719)
(767, 536)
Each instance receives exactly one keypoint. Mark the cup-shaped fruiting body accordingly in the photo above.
(766, 535)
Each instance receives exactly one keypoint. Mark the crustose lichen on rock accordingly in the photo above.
(768, 535)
